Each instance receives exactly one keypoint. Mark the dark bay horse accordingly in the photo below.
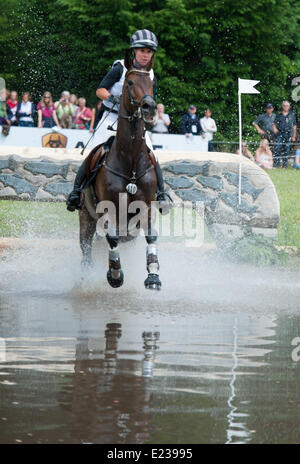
(125, 186)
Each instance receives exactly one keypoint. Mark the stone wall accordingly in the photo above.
(36, 179)
(211, 178)
(214, 181)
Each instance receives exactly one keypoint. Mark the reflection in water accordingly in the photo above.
(110, 402)
(112, 333)
(150, 347)
(237, 431)
(79, 371)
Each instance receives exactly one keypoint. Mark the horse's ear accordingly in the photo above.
(128, 59)
(150, 64)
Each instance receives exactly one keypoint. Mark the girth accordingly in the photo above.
(132, 179)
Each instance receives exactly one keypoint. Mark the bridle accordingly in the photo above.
(138, 114)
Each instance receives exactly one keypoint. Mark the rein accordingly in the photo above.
(137, 115)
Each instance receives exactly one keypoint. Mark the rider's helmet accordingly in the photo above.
(144, 39)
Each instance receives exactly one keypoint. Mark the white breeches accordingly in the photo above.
(102, 134)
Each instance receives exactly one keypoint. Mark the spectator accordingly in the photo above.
(296, 164)
(25, 111)
(12, 103)
(83, 115)
(245, 151)
(285, 129)
(74, 100)
(46, 112)
(161, 121)
(4, 113)
(65, 110)
(263, 155)
(96, 115)
(190, 123)
(264, 124)
(209, 127)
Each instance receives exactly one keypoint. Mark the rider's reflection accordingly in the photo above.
(111, 399)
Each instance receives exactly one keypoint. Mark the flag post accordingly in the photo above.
(244, 86)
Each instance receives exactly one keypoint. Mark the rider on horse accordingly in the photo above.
(143, 45)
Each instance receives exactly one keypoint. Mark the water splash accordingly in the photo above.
(189, 276)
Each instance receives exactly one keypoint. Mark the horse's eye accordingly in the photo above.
(130, 83)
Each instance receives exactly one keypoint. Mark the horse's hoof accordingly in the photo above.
(152, 282)
(115, 283)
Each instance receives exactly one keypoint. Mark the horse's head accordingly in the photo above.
(137, 92)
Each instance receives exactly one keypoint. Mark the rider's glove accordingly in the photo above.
(114, 99)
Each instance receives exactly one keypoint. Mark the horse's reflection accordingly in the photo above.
(112, 394)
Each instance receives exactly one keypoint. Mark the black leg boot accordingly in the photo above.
(162, 196)
(73, 200)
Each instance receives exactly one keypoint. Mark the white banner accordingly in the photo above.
(74, 138)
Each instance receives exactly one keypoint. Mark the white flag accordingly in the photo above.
(247, 86)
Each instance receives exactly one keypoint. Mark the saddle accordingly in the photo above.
(96, 157)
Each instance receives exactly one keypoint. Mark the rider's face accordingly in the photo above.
(143, 56)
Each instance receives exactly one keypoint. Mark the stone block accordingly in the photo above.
(18, 183)
(61, 187)
(195, 195)
(48, 169)
(7, 192)
(213, 182)
(246, 185)
(184, 167)
(41, 195)
(179, 182)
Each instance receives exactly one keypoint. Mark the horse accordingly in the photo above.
(126, 178)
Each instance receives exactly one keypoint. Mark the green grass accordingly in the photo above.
(37, 219)
(42, 219)
(287, 184)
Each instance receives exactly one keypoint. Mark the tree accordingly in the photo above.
(203, 48)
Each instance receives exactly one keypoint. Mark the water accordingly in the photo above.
(206, 360)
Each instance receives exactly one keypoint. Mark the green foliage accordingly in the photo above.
(204, 48)
(256, 250)
(287, 187)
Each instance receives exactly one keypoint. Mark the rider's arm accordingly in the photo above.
(113, 76)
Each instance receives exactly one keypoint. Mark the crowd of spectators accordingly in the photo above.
(277, 131)
(69, 112)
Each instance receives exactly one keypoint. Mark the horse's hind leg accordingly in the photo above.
(87, 231)
(115, 276)
(152, 282)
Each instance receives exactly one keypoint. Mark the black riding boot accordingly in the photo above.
(73, 201)
(162, 196)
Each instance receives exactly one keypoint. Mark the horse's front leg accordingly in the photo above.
(152, 282)
(87, 230)
(115, 276)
